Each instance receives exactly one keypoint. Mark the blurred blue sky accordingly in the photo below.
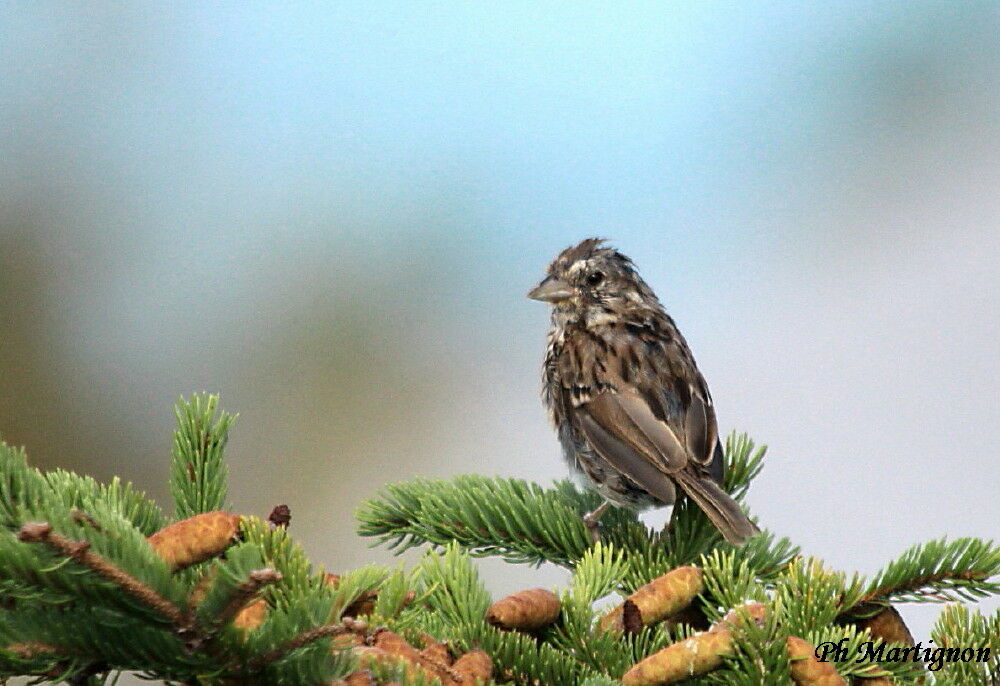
(657, 120)
(209, 135)
(331, 213)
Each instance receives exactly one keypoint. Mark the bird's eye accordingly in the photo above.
(595, 278)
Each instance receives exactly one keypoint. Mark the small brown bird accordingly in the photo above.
(632, 411)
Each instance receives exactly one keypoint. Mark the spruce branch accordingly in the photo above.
(38, 574)
(86, 634)
(808, 595)
(937, 571)
(25, 492)
(31, 658)
(88, 675)
(525, 523)
(245, 592)
(355, 588)
(520, 658)
(517, 520)
(396, 593)
(300, 583)
(457, 592)
(197, 472)
(959, 627)
(744, 460)
(106, 584)
(303, 639)
(80, 552)
(454, 605)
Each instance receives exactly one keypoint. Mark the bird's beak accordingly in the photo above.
(551, 290)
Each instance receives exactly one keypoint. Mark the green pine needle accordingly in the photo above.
(517, 520)
(939, 571)
(197, 472)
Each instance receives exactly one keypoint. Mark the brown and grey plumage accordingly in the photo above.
(633, 413)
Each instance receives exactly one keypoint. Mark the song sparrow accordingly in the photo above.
(632, 411)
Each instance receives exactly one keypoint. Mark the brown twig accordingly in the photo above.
(81, 517)
(247, 590)
(306, 637)
(918, 585)
(80, 551)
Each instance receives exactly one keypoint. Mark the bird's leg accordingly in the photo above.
(592, 520)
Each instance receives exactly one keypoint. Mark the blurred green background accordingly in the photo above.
(330, 214)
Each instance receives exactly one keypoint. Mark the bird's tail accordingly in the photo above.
(724, 512)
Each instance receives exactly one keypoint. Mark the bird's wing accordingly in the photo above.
(623, 429)
(656, 405)
(701, 431)
(621, 426)
(624, 457)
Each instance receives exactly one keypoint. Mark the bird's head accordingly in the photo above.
(590, 280)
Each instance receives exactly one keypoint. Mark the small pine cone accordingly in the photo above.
(527, 610)
(806, 670)
(472, 668)
(887, 626)
(370, 656)
(395, 644)
(251, 616)
(195, 539)
(660, 598)
(694, 656)
(281, 516)
(435, 653)
(756, 611)
(395, 647)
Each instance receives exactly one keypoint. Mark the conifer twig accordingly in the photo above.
(81, 517)
(244, 592)
(938, 571)
(305, 638)
(80, 551)
(916, 585)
